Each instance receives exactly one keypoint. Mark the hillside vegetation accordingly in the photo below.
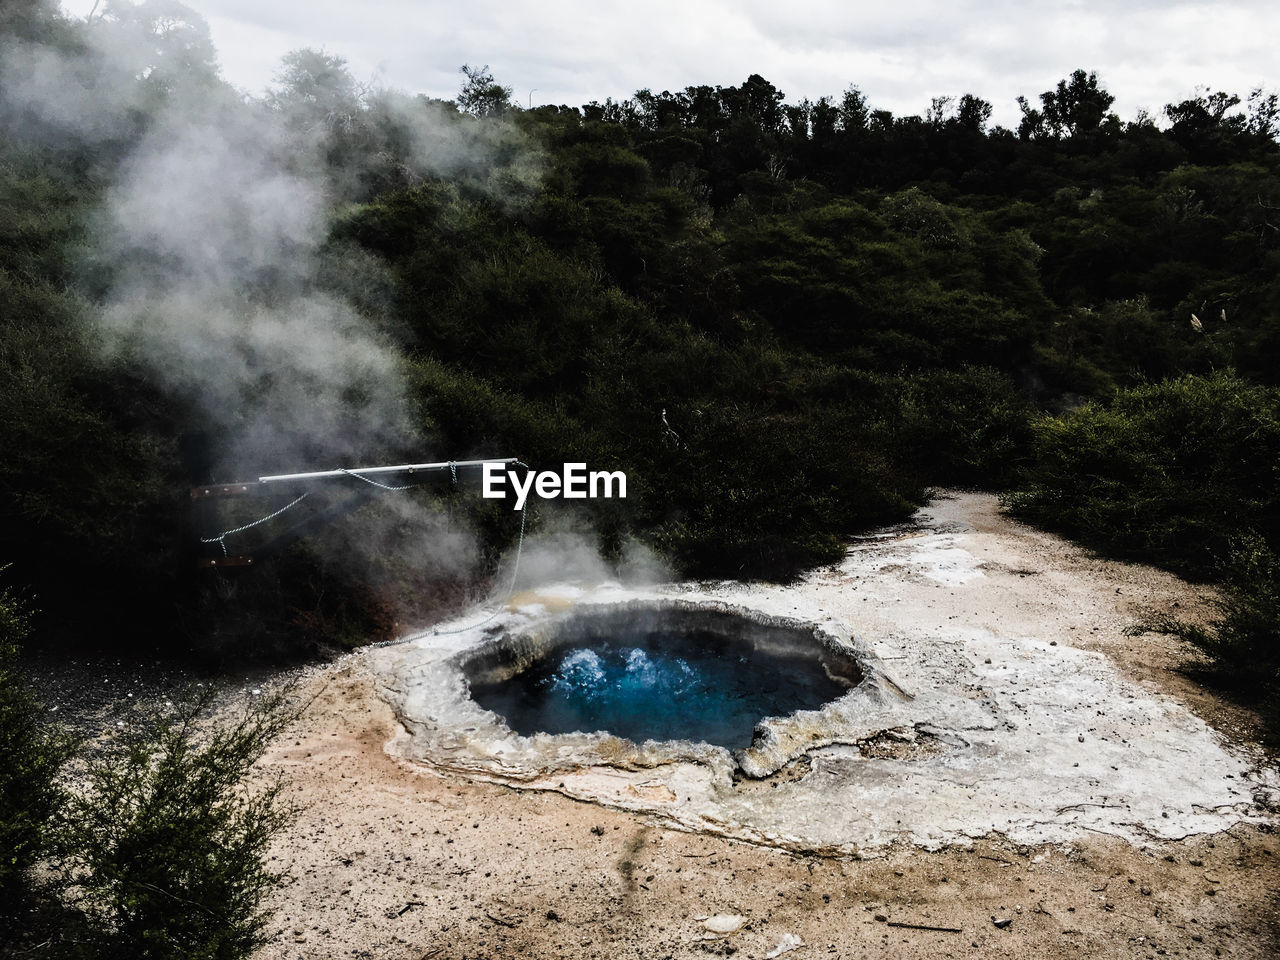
(784, 320)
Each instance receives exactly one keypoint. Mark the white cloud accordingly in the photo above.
(901, 54)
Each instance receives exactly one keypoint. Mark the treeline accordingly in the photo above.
(784, 321)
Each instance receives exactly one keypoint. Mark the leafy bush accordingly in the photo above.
(31, 756)
(163, 852)
(1244, 640)
(158, 852)
(967, 427)
(1168, 472)
(745, 495)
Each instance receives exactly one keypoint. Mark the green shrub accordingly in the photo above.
(163, 853)
(967, 427)
(1244, 640)
(1168, 472)
(31, 756)
(752, 496)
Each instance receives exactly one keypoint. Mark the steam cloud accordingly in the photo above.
(214, 245)
(214, 239)
(214, 230)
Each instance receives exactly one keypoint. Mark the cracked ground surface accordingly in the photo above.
(397, 859)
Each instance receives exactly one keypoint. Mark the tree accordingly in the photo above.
(661, 110)
(481, 95)
(163, 42)
(316, 87)
(1264, 114)
(939, 111)
(1077, 106)
(973, 113)
(705, 108)
(757, 100)
(1206, 127)
(853, 110)
(38, 20)
(823, 117)
(1031, 126)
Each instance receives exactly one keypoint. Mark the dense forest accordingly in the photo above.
(785, 321)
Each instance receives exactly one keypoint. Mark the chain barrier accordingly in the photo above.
(221, 539)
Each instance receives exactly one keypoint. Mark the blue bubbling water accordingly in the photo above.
(669, 687)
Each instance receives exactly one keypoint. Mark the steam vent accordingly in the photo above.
(909, 694)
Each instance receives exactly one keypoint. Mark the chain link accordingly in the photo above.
(221, 539)
(384, 486)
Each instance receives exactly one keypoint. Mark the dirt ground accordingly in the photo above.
(395, 861)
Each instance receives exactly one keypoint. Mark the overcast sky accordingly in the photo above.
(901, 53)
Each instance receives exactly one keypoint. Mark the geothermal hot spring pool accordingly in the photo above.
(642, 673)
(779, 723)
(660, 684)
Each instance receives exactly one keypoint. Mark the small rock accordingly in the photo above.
(1001, 923)
(788, 943)
(881, 918)
(724, 923)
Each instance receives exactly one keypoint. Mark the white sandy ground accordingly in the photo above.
(1075, 783)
